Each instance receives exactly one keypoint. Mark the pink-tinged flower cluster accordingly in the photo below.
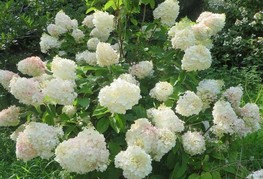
(32, 66)
(5, 78)
(10, 116)
(37, 139)
(26, 90)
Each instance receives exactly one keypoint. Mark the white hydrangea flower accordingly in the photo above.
(64, 21)
(189, 104)
(164, 117)
(234, 95)
(15, 134)
(106, 55)
(251, 115)
(208, 90)
(78, 35)
(183, 39)
(166, 140)
(193, 143)
(196, 58)
(63, 68)
(55, 30)
(119, 96)
(69, 110)
(88, 21)
(84, 153)
(92, 43)
(142, 134)
(214, 21)
(60, 91)
(134, 162)
(103, 21)
(38, 138)
(48, 42)
(102, 35)
(224, 118)
(10, 116)
(142, 69)
(86, 57)
(32, 66)
(129, 78)
(24, 149)
(5, 78)
(201, 31)
(180, 26)
(26, 90)
(161, 91)
(256, 174)
(167, 12)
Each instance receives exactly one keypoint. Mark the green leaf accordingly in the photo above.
(194, 176)
(216, 175)
(206, 175)
(83, 102)
(103, 125)
(100, 111)
(134, 21)
(109, 4)
(114, 125)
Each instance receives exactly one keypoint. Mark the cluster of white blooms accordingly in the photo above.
(60, 91)
(196, 58)
(88, 21)
(32, 66)
(69, 110)
(26, 90)
(38, 138)
(106, 55)
(234, 95)
(164, 117)
(119, 96)
(62, 20)
(166, 140)
(134, 162)
(142, 69)
(129, 78)
(224, 118)
(214, 21)
(104, 25)
(251, 116)
(48, 42)
(162, 91)
(10, 116)
(55, 30)
(154, 141)
(5, 78)
(92, 43)
(86, 57)
(207, 90)
(142, 134)
(193, 143)
(255, 175)
(167, 12)
(84, 153)
(183, 39)
(78, 35)
(189, 104)
(63, 68)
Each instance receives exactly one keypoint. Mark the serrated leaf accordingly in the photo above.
(99, 111)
